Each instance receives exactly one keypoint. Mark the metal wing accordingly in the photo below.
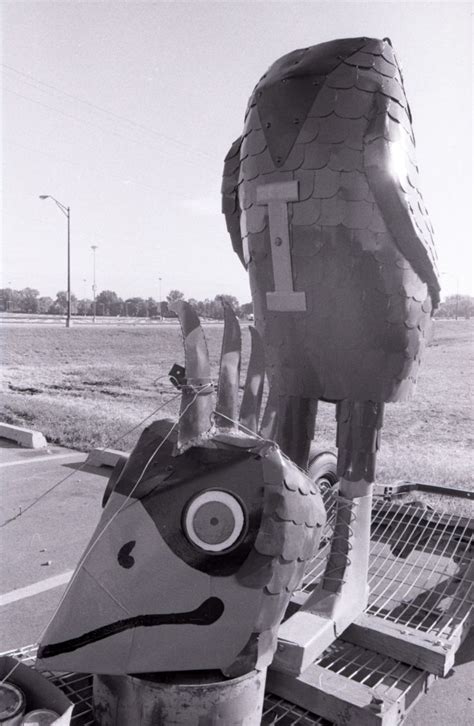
(230, 197)
(392, 172)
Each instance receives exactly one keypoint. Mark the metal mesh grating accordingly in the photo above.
(78, 688)
(420, 571)
(278, 711)
(385, 676)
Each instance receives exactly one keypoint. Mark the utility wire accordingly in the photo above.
(97, 126)
(162, 191)
(76, 471)
(114, 115)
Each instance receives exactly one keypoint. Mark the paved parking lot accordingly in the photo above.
(41, 547)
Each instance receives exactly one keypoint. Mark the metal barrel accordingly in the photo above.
(179, 699)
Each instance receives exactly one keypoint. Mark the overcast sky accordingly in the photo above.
(125, 110)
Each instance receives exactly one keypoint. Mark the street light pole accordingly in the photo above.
(67, 212)
(93, 248)
(161, 309)
(68, 317)
(456, 278)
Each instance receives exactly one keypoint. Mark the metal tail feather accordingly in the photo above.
(197, 401)
(253, 391)
(269, 425)
(228, 388)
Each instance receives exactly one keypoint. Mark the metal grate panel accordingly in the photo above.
(387, 678)
(420, 571)
(282, 713)
(78, 688)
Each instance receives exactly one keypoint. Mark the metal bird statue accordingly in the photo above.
(203, 538)
(322, 203)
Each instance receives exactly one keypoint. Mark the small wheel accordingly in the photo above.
(322, 468)
(114, 477)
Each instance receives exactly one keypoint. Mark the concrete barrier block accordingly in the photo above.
(105, 457)
(28, 438)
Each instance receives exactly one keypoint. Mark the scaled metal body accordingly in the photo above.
(328, 143)
(322, 202)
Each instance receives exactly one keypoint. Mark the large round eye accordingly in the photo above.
(214, 520)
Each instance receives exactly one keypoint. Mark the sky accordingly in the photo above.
(124, 111)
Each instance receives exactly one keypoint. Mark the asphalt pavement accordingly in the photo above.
(41, 547)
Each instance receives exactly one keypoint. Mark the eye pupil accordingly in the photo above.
(213, 522)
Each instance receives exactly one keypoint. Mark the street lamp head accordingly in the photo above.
(44, 196)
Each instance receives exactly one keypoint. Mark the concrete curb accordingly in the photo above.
(105, 457)
(28, 438)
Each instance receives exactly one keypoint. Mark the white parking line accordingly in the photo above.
(53, 457)
(22, 592)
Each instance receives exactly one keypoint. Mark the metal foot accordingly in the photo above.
(342, 593)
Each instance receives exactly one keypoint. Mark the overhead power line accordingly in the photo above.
(103, 172)
(92, 124)
(114, 115)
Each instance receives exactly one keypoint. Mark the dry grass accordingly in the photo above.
(87, 387)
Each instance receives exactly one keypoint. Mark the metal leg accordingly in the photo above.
(343, 592)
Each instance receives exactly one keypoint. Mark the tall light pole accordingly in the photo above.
(93, 248)
(67, 212)
(84, 280)
(159, 301)
(456, 278)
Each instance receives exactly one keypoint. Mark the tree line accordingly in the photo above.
(108, 303)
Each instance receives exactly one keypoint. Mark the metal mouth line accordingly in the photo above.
(206, 614)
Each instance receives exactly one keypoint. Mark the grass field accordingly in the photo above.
(88, 386)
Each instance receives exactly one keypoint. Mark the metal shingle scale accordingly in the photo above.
(316, 156)
(394, 91)
(358, 214)
(234, 150)
(307, 241)
(353, 186)
(255, 142)
(306, 213)
(365, 81)
(332, 212)
(324, 103)
(309, 130)
(306, 180)
(295, 158)
(384, 67)
(333, 129)
(427, 305)
(246, 196)
(342, 77)
(258, 246)
(264, 161)
(355, 137)
(343, 158)
(257, 218)
(244, 224)
(327, 183)
(361, 60)
(249, 169)
(352, 103)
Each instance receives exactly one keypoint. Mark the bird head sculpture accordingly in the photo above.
(202, 540)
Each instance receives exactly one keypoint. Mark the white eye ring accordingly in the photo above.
(232, 521)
